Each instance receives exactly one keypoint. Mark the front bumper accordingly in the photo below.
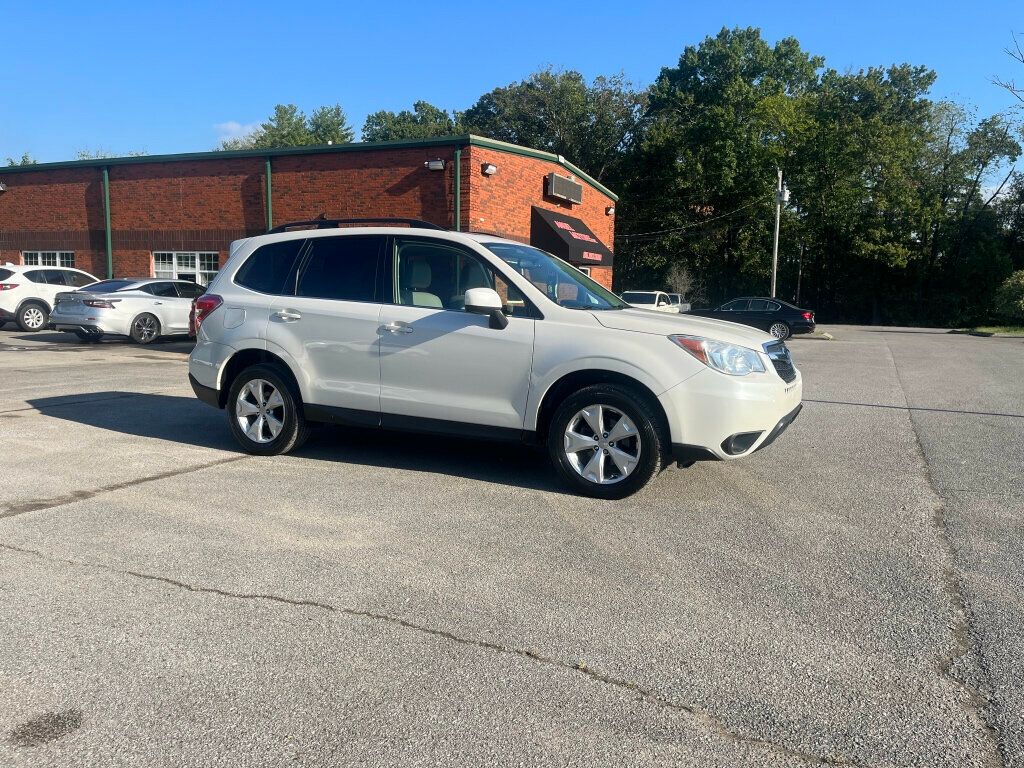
(688, 454)
(714, 416)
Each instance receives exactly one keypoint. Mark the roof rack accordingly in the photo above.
(324, 223)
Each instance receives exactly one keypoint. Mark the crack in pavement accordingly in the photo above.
(962, 631)
(120, 396)
(642, 694)
(912, 408)
(19, 508)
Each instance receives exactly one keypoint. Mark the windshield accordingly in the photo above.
(109, 286)
(639, 297)
(561, 282)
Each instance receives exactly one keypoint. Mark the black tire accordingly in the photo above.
(28, 315)
(86, 336)
(783, 334)
(145, 329)
(294, 429)
(649, 433)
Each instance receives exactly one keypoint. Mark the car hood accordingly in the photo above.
(665, 324)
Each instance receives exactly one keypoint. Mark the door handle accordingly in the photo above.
(158, 302)
(288, 315)
(397, 326)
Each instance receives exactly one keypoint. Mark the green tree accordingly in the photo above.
(329, 125)
(702, 177)
(588, 123)
(25, 159)
(100, 154)
(1009, 299)
(288, 126)
(424, 122)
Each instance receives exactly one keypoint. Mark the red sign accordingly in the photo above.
(589, 256)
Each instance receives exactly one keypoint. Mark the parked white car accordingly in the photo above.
(447, 333)
(144, 309)
(656, 300)
(27, 293)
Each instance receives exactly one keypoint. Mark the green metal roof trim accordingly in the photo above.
(323, 149)
(515, 149)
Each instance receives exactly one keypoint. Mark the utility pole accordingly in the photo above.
(781, 198)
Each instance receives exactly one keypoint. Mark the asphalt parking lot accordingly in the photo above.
(853, 595)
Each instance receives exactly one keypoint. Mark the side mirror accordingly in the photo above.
(662, 303)
(486, 301)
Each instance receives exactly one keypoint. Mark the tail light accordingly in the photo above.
(7, 286)
(201, 309)
(808, 315)
(98, 303)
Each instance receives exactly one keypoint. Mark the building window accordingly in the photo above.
(584, 270)
(48, 258)
(197, 267)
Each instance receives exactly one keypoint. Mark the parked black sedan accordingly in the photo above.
(776, 317)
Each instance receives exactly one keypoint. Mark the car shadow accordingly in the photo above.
(68, 341)
(187, 421)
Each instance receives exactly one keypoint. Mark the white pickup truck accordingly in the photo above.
(656, 300)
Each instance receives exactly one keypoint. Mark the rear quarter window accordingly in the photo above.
(5, 273)
(271, 268)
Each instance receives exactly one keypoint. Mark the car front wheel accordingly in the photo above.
(779, 330)
(264, 413)
(606, 442)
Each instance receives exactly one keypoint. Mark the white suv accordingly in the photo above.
(429, 330)
(27, 293)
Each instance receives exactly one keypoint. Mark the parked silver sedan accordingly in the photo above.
(143, 308)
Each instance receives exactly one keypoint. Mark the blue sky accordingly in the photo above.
(174, 77)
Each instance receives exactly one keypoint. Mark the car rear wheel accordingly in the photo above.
(606, 442)
(145, 329)
(779, 330)
(265, 413)
(32, 317)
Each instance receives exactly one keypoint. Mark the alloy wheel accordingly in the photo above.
(145, 328)
(34, 318)
(779, 330)
(260, 411)
(601, 443)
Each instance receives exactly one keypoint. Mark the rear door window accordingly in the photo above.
(758, 305)
(190, 290)
(343, 268)
(77, 279)
(271, 268)
(162, 289)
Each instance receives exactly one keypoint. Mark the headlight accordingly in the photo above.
(727, 358)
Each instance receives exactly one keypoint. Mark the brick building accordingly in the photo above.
(174, 215)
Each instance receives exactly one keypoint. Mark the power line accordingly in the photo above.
(688, 226)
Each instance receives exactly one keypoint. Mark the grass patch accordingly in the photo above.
(991, 330)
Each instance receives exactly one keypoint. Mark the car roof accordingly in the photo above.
(24, 267)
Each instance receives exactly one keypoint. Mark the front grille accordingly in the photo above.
(778, 353)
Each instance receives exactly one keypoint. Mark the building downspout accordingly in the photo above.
(458, 189)
(270, 195)
(106, 222)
